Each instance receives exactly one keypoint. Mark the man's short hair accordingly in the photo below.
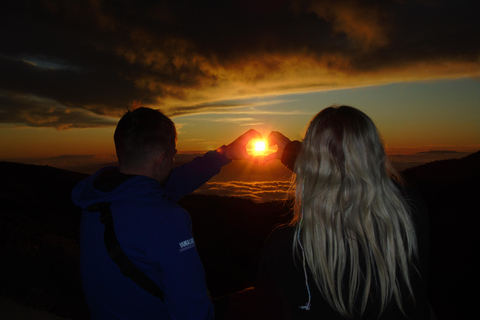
(140, 134)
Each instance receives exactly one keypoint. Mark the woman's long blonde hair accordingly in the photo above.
(352, 223)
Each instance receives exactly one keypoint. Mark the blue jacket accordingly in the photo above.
(155, 233)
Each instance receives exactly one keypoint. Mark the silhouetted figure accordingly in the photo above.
(130, 214)
(357, 247)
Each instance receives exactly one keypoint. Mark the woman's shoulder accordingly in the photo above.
(413, 199)
(281, 234)
(279, 243)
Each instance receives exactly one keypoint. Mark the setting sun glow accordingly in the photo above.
(260, 146)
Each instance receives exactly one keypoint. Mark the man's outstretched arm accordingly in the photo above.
(188, 177)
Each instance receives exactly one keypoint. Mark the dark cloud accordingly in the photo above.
(182, 56)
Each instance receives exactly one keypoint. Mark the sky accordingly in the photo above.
(70, 69)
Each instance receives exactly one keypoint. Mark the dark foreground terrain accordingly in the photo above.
(39, 229)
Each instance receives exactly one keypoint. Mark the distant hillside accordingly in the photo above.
(38, 239)
(445, 171)
(451, 189)
(41, 193)
(39, 229)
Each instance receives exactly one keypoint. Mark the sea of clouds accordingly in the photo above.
(259, 191)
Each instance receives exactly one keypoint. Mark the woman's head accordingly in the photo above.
(348, 210)
(342, 143)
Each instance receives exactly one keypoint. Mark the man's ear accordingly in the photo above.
(159, 161)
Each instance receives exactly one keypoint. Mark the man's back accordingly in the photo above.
(156, 236)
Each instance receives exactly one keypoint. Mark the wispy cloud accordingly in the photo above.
(35, 111)
(254, 108)
(93, 58)
(233, 120)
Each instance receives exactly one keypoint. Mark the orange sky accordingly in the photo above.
(412, 117)
(69, 72)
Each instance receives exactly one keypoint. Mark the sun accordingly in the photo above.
(260, 146)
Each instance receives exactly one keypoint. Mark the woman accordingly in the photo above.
(358, 243)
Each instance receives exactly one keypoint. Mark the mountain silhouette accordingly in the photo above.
(451, 189)
(39, 236)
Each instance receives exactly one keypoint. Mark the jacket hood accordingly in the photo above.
(108, 185)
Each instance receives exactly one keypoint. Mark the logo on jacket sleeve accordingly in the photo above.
(187, 244)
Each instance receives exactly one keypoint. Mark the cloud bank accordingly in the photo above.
(76, 64)
(258, 191)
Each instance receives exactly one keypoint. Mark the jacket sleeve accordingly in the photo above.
(182, 277)
(189, 177)
(290, 153)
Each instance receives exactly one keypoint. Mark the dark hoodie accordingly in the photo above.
(156, 235)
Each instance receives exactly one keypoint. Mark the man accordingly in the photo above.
(152, 230)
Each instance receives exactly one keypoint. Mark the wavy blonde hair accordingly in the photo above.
(352, 223)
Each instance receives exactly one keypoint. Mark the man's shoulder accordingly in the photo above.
(150, 209)
(147, 218)
(157, 204)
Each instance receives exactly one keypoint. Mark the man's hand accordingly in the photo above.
(237, 150)
(276, 138)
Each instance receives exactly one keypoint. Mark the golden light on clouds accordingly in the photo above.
(276, 75)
